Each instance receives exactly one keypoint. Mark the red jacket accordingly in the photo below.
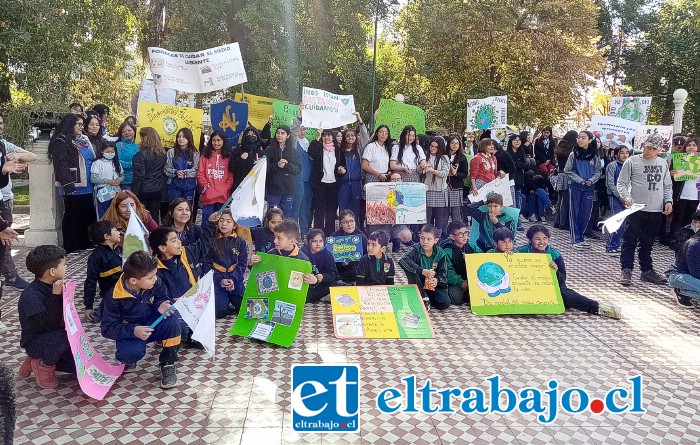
(214, 178)
(481, 167)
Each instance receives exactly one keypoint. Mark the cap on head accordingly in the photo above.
(655, 141)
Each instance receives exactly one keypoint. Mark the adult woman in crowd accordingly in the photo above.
(459, 170)
(517, 154)
(93, 131)
(482, 167)
(180, 218)
(126, 149)
(407, 157)
(544, 151)
(561, 183)
(685, 193)
(72, 154)
(149, 165)
(120, 210)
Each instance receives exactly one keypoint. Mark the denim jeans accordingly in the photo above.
(538, 203)
(301, 206)
(686, 283)
(208, 209)
(284, 202)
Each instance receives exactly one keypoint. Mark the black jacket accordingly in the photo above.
(239, 166)
(505, 163)
(282, 181)
(520, 162)
(104, 267)
(149, 176)
(544, 154)
(456, 182)
(316, 155)
(372, 271)
(322, 263)
(65, 157)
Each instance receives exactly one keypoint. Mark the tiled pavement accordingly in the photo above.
(243, 396)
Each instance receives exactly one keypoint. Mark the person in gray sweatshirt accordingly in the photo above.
(644, 179)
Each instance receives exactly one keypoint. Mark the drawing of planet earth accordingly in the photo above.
(491, 274)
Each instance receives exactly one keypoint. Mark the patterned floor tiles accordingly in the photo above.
(243, 396)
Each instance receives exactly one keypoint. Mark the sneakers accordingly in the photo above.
(26, 369)
(542, 220)
(521, 228)
(17, 282)
(652, 276)
(553, 209)
(609, 311)
(626, 277)
(581, 246)
(3, 328)
(532, 218)
(45, 375)
(585, 244)
(426, 303)
(521, 218)
(130, 367)
(168, 375)
(613, 252)
(683, 300)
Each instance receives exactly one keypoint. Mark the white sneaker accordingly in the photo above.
(581, 246)
(585, 244)
(3, 328)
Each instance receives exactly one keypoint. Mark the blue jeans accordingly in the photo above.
(686, 283)
(284, 202)
(580, 207)
(102, 208)
(301, 207)
(208, 209)
(615, 239)
(519, 198)
(538, 202)
(174, 193)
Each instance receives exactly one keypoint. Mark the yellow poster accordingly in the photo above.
(520, 283)
(379, 312)
(168, 119)
(259, 108)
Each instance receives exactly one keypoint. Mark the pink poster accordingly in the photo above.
(94, 374)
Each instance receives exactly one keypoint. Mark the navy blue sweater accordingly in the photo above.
(104, 267)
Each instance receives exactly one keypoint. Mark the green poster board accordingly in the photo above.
(686, 165)
(284, 113)
(397, 115)
(520, 283)
(379, 312)
(274, 299)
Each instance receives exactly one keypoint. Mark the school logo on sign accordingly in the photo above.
(325, 398)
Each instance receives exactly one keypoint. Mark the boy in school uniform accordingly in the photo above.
(456, 246)
(376, 268)
(104, 265)
(426, 266)
(286, 244)
(43, 331)
(137, 300)
(503, 241)
(490, 220)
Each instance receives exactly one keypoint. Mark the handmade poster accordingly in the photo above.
(498, 185)
(134, 236)
(231, 118)
(491, 112)
(612, 224)
(396, 203)
(284, 113)
(397, 115)
(149, 93)
(198, 72)
(634, 109)
(283, 302)
(379, 312)
(197, 309)
(324, 110)
(257, 308)
(95, 375)
(644, 132)
(613, 131)
(248, 200)
(345, 248)
(520, 283)
(259, 108)
(686, 166)
(168, 119)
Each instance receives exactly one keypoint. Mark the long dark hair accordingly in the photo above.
(115, 159)
(402, 143)
(565, 147)
(168, 220)
(344, 145)
(97, 140)
(551, 136)
(439, 155)
(121, 130)
(459, 156)
(66, 131)
(189, 150)
(219, 243)
(387, 143)
(209, 148)
(590, 151)
(513, 137)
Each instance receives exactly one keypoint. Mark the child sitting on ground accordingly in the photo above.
(376, 268)
(43, 331)
(503, 241)
(136, 301)
(322, 265)
(348, 270)
(489, 220)
(264, 237)
(104, 264)
(539, 243)
(456, 246)
(286, 239)
(426, 266)
(228, 258)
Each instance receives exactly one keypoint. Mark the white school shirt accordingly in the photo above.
(690, 190)
(377, 157)
(409, 158)
(328, 167)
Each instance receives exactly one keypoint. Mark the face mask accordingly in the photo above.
(108, 156)
(251, 139)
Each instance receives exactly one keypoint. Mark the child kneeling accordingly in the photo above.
(425, 265)
(40, 309)
(136, 301)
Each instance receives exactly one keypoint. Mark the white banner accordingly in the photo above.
(491, 112)
(134, 237)
(613, 223)
(198, 72)
(613, 131)
(196, 307)
(498, 185)
(149, 93)
(634, 109)
(248, 200)
(324, 110)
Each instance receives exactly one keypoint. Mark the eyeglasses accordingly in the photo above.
(347, 222)
(461, 234)
(79, 124)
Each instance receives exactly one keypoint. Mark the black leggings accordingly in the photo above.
(78, 214)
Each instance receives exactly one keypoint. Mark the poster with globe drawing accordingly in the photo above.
(491, 112)
(396, 203)
(520, 283)
(634, 109)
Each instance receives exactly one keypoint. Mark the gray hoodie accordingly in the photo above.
(646, 182)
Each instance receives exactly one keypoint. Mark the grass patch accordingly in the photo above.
(21, 195)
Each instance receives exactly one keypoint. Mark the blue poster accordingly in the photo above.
(345, 248)
(231, 118)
